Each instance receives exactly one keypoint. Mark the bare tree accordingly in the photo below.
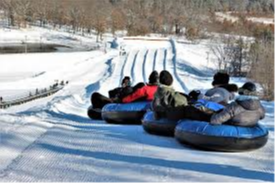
(239, 63)
(223, 52)
(73, 16)
(57, 15)
(117, 20)
(24, 11)
(99, 14)
(9, 9)
(41, 10)
(261, 56)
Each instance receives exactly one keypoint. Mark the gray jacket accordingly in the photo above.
(218, 95)
(244, 111)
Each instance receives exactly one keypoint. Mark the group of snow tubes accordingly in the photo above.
(199, 134)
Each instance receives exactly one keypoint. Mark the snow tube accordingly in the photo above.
(225, 138)
(162, 126)
(94, 113)
(209, 105)
(130, 113)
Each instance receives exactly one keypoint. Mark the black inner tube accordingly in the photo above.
(225, 144)
(123, 117)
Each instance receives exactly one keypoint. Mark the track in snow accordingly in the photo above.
(155, 60)
(127, 70)
(165, 60)
(149, 64)
(144, 75)
(73, 151)
(159, 62)
(176, 75)
(77, 149)
(123, 68)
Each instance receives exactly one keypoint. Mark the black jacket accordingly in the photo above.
(120, 92)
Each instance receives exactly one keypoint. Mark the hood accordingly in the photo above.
(249, 102)
(163, 89)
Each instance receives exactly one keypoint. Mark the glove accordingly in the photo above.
(194, 94)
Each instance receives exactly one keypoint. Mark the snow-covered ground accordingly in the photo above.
(52, 139)
(221, 16)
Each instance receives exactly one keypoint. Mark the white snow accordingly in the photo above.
(262, 20)
(52, 139)
(221, 16)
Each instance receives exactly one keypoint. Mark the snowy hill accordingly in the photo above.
(52, 139)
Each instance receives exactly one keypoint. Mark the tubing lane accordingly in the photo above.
(155, 60)
(133, 68)
(170, 67)
(144, 67)
(174, 60)
(129, 63)
(165, 60)
(123, 68)
(149, 64)
(160, 60)
(138, 67)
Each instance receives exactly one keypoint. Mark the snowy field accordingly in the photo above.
(52, 139)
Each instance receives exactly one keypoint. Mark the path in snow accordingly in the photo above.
(115, 68)
(159, 61)
(138, 67)
(74, 148)
(127, 70)
(144, 75)
(149, 62)
(155, 60)
(85, 151)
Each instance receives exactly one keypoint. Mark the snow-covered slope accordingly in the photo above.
(52, 139)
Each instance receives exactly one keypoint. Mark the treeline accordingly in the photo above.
(137, 17)
(250, 6)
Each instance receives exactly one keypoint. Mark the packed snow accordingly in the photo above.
(52, 139)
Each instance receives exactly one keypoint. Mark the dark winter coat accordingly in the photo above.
(219, 95)
(146, 93)
(166, 98)
(120, 92)
(245, 111)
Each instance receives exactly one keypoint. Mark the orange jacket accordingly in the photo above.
(147, 92)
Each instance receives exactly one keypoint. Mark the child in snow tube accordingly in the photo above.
(222, 92)
(246, 110)
(235, 128)
(118, 113)
(99, 101)
(174, 105)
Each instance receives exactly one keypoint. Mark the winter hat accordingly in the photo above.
(128, 79)
(220, 79)
(248, 88)
(166, 78)
(154, 77)
(230, 87)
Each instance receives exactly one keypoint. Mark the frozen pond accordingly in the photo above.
(33, 48)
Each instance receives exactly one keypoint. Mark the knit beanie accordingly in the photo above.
(220, 79)
(154, 77)
(166, 78)
(248, 88)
